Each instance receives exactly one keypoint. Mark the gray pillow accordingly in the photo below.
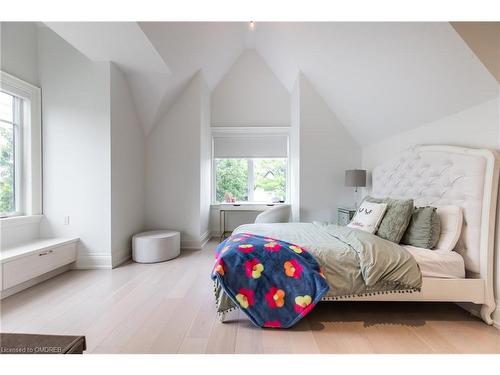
(396, 218)
(424, 228)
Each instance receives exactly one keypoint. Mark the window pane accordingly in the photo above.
(231, 179)
(6, 112)
(269, 180)
(7, 200)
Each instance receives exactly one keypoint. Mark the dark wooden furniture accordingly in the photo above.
(20, 343)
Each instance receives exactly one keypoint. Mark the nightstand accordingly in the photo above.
(345, 215)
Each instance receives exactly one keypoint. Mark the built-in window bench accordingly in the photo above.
(29, 263)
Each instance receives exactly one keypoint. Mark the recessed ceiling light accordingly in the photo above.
(252, 25)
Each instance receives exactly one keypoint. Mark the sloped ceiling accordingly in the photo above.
(378, 78)
(158, 58)
(125, 44)
(187, 47)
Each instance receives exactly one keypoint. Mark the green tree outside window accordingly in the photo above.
(7, 202)
(231, 177)
(270, 176)
(269, 179)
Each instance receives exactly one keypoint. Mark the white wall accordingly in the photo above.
(478, 126)
(205, 162)
(128, 166)
(93, 147)
(19, 51)
(250, 95)
(475, 127)
(15, 232)
(321, 149)
(295, 150)
(173, 182)
(326, 151)
(19, 57)
(76, 148)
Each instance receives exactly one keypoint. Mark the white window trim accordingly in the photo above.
(31, 168)
(19, 157)
(250, 180)
(17, 123)
(228, 131)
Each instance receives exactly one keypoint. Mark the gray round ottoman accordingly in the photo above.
(156, 246)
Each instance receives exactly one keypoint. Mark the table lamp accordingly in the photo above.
(355, 178)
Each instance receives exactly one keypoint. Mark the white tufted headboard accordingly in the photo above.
(448, 175)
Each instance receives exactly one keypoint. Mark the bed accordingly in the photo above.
(434, 176)
(449, 175)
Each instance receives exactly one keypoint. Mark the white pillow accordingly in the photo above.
(368, 216)
(451, 218)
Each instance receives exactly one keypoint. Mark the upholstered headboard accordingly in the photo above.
(448, 175)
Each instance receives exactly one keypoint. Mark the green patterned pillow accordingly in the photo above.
(424, 228)
(396, 218)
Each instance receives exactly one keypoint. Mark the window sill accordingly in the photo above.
(217, 206)
(20, 220)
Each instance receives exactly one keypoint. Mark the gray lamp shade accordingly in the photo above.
(355, 178)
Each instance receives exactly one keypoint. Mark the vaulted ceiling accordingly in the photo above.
(125, 44)
(189, 47)
(378, 78)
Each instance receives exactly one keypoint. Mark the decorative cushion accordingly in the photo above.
(451, 218)
(424, 228)
(368, 216)
(396, 219)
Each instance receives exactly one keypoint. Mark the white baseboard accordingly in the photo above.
(197, 244)
(105, 261)
(17, 288)
(121, 257)
(205, 238)
(94, 261)
(190, 245)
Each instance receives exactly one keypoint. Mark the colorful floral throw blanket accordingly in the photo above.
(354, 263)
(275, 283)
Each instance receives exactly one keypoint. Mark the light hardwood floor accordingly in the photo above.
(169, 308)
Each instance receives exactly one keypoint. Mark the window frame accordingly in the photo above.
(228, 132)
(17, 133)
(28, 173)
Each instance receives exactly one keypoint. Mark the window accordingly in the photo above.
(253, 180)
(250, 165)
(270, 176)
(10, 154)
(20, 148)
(231, 179)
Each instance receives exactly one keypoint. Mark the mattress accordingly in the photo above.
(433, 263)
(438, 263)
